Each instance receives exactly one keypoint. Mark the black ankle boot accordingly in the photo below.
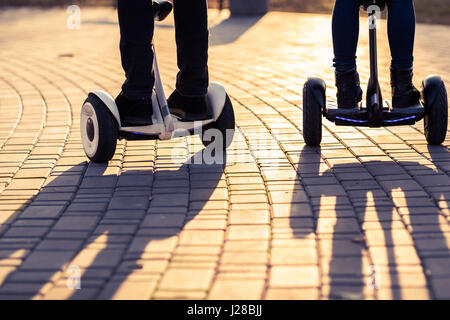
(404, 94)
(349, 92)
(188, 108)
(134, 112)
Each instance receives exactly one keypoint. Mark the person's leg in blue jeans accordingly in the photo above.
(401, 28)
(136, 31)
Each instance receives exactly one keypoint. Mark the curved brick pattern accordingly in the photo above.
(365, 216)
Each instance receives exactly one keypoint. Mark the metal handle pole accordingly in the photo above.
(373, 45)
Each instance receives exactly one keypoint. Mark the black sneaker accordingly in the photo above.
(188, 108)
(134, 112)
(349, 92)
(404, 94)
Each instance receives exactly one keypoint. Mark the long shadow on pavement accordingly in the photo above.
(389, 201)
(113, 226)
(229, 30)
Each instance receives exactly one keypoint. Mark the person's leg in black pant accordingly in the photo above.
(191, 32)
(188, 102)
(136, 34)
(401, 31)
(345, 27)
(191, 35)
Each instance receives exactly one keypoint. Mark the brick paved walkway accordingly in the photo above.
(369, 209)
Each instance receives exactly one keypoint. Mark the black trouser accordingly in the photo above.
(191, 33)
(401, 31)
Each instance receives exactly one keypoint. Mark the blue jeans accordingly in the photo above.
(401, 30)
(191, 34)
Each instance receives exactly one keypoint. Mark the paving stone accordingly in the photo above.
(206, 224)
(168, 200)
(95, 207)
(244, 257)
(53, 245)
(155, 245)
(67, 235)
(32, 276)
(59, 293)
(187, 279)
(388, 237)
(433, 244)
(201, 237)
(297, 196)
(115, 229)
(75, 223)
(437, 266)
(292, 294)
(124, 214)
(33, 173)
(405, 294)
(248, 232)
(237, 289)
(63, 181)
(291, 210)
(128, 290)
(177, 295)
(163, 220)
(97, 258)
(30, 183)
(278, 220)
(37, 212)
(5, 271)
(249, 217)
(22, 232)
(33, 222)
(394, 255)
(128, 203)
(346, 266)
(99, 182)
(345, 291)
(293, 256)
(441, 288)
(29, 289)
(246, 245)
(401, 280)
(154, 266)
(47, 260)
(294, 276)
(340, 225)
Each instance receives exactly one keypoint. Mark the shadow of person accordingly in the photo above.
(374, 219)
(115, 228)
(231, 29)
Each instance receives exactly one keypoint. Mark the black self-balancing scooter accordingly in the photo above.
(433, 107)
(100, 123)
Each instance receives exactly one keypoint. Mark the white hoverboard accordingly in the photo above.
(100, 123)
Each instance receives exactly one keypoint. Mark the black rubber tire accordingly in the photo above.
(312, 117)
(108, 130)
(436, 115)
(226, 123)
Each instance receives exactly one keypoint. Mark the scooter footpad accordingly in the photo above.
(391, 117)
(353, 116)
